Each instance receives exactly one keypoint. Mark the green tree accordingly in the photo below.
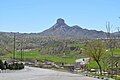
(95, 49)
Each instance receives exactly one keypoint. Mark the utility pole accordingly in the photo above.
(21, 51)
(14, 47)
(118, 28)
(108, 29)
(110, 44)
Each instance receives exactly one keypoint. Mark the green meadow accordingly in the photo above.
(35, 54)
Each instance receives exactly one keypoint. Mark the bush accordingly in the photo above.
(1, 65)
(20, 66)
(16, 66)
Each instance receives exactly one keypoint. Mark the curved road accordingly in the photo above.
(32, 73)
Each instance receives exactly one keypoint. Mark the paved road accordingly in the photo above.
(31, 73)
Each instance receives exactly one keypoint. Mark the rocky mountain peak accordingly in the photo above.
(61, 21)
(60, 24)
(62, 30)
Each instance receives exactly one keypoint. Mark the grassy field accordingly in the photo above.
(116, 51)
(36, 55)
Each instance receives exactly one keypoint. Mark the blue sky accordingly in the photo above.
(38, 15)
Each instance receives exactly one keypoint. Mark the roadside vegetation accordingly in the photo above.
(67, 51)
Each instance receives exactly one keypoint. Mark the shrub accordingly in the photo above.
(16, 66)
(1, 65)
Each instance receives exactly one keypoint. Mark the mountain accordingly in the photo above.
(58, 34)
(62, 30)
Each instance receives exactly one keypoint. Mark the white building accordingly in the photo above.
(80, 63)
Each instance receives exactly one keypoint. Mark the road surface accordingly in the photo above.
(32, 73)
